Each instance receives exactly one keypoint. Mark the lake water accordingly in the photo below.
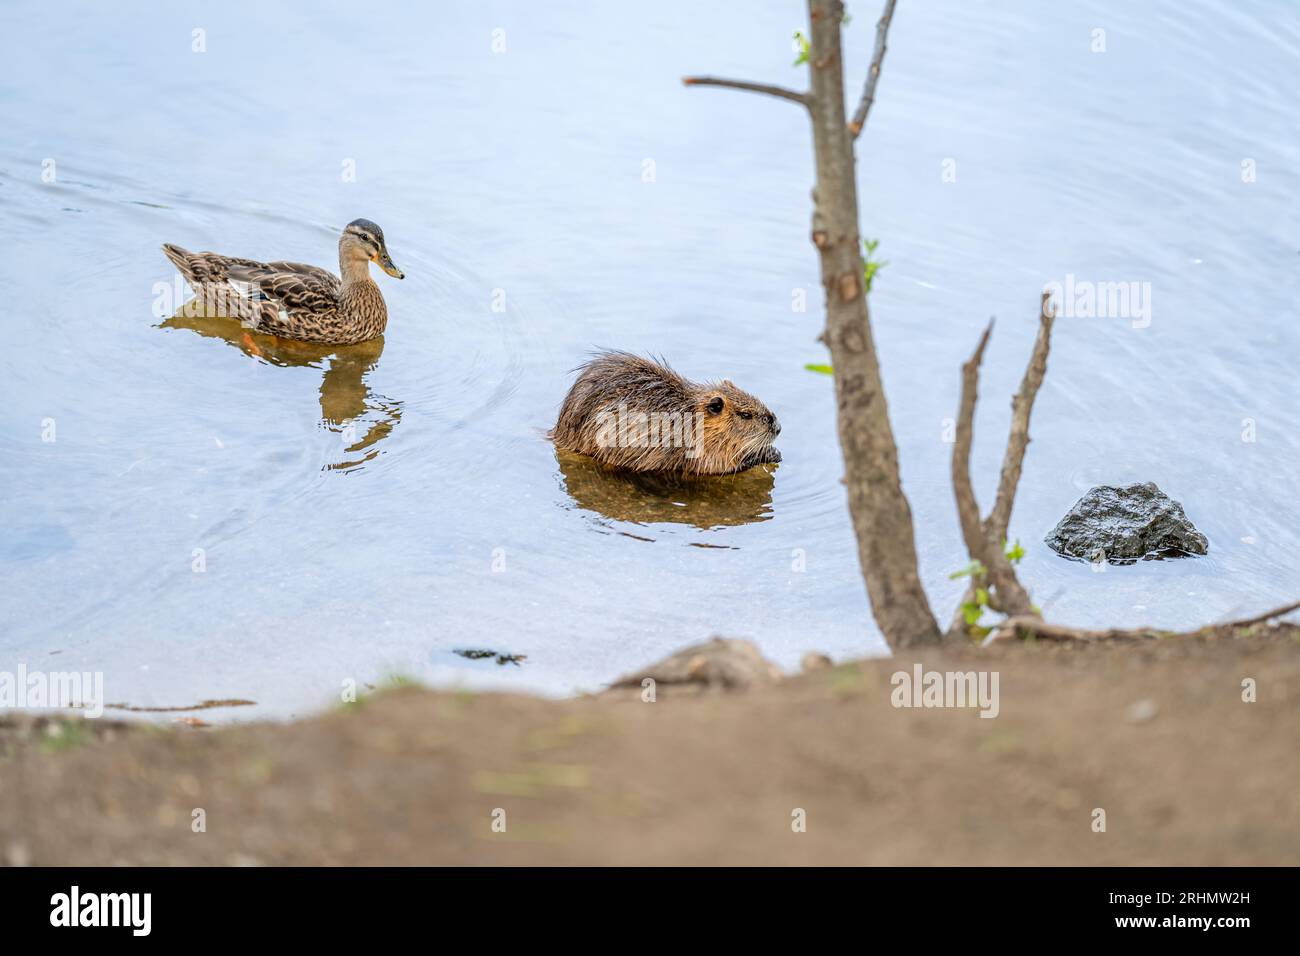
(209, 523)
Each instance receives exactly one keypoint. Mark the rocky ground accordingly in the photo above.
(1155, 734)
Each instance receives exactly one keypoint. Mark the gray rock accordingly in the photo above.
(720, 662)
(1126, 524)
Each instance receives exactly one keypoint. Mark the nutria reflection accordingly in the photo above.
(658, 498)
(348, 407)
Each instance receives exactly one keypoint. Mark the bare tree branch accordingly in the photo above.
(873, 74)
(1022, 406)
(770, 90)
(1261, 618)
(1031, 625)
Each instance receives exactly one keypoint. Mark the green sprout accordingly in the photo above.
(974, 569)
(870, 266)
(804, 47)
(973, 610)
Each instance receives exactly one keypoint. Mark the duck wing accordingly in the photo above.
(316, 273)
(288, 291)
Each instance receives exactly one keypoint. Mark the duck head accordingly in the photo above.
(363, 241)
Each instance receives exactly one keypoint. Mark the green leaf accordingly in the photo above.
(870, 266)
(1015, 552)
(974, 567)
(820, 369)
(971, 613)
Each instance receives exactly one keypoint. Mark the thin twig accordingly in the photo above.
(1260, 618)
(1030, 624)
(873, 74)
(770, 90)
(968, 509)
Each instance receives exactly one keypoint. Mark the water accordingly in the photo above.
(366, 514)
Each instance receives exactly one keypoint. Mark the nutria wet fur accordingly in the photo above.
(630, 412)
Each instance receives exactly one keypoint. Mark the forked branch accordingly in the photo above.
(985, 540)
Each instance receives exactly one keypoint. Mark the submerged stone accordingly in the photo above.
(1124, 524)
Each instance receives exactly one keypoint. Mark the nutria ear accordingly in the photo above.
(715, 405)
(729, 383)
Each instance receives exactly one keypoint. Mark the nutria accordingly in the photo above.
(634, 413)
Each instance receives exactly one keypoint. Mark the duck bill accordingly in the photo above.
(386, 263)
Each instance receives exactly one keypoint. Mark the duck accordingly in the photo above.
(295, 301)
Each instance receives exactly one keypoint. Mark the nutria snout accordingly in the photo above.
(634, 413)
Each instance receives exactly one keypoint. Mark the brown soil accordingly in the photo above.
(1155, 734)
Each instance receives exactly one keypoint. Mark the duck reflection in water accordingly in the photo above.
(347, 405)
(721, 501)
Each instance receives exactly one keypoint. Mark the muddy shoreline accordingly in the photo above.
(1157, 735)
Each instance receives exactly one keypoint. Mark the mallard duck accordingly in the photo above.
(296, 301)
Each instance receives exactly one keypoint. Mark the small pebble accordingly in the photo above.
(1142, 711)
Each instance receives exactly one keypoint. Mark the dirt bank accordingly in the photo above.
(1157, 736)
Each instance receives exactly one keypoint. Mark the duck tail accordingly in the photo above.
(180, 259)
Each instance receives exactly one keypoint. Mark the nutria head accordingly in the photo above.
(738, 429)
(637, 414)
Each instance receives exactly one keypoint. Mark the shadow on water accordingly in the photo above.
(348, 406)
(706, 503)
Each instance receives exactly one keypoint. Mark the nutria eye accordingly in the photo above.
(715, 406)
(745, 415)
